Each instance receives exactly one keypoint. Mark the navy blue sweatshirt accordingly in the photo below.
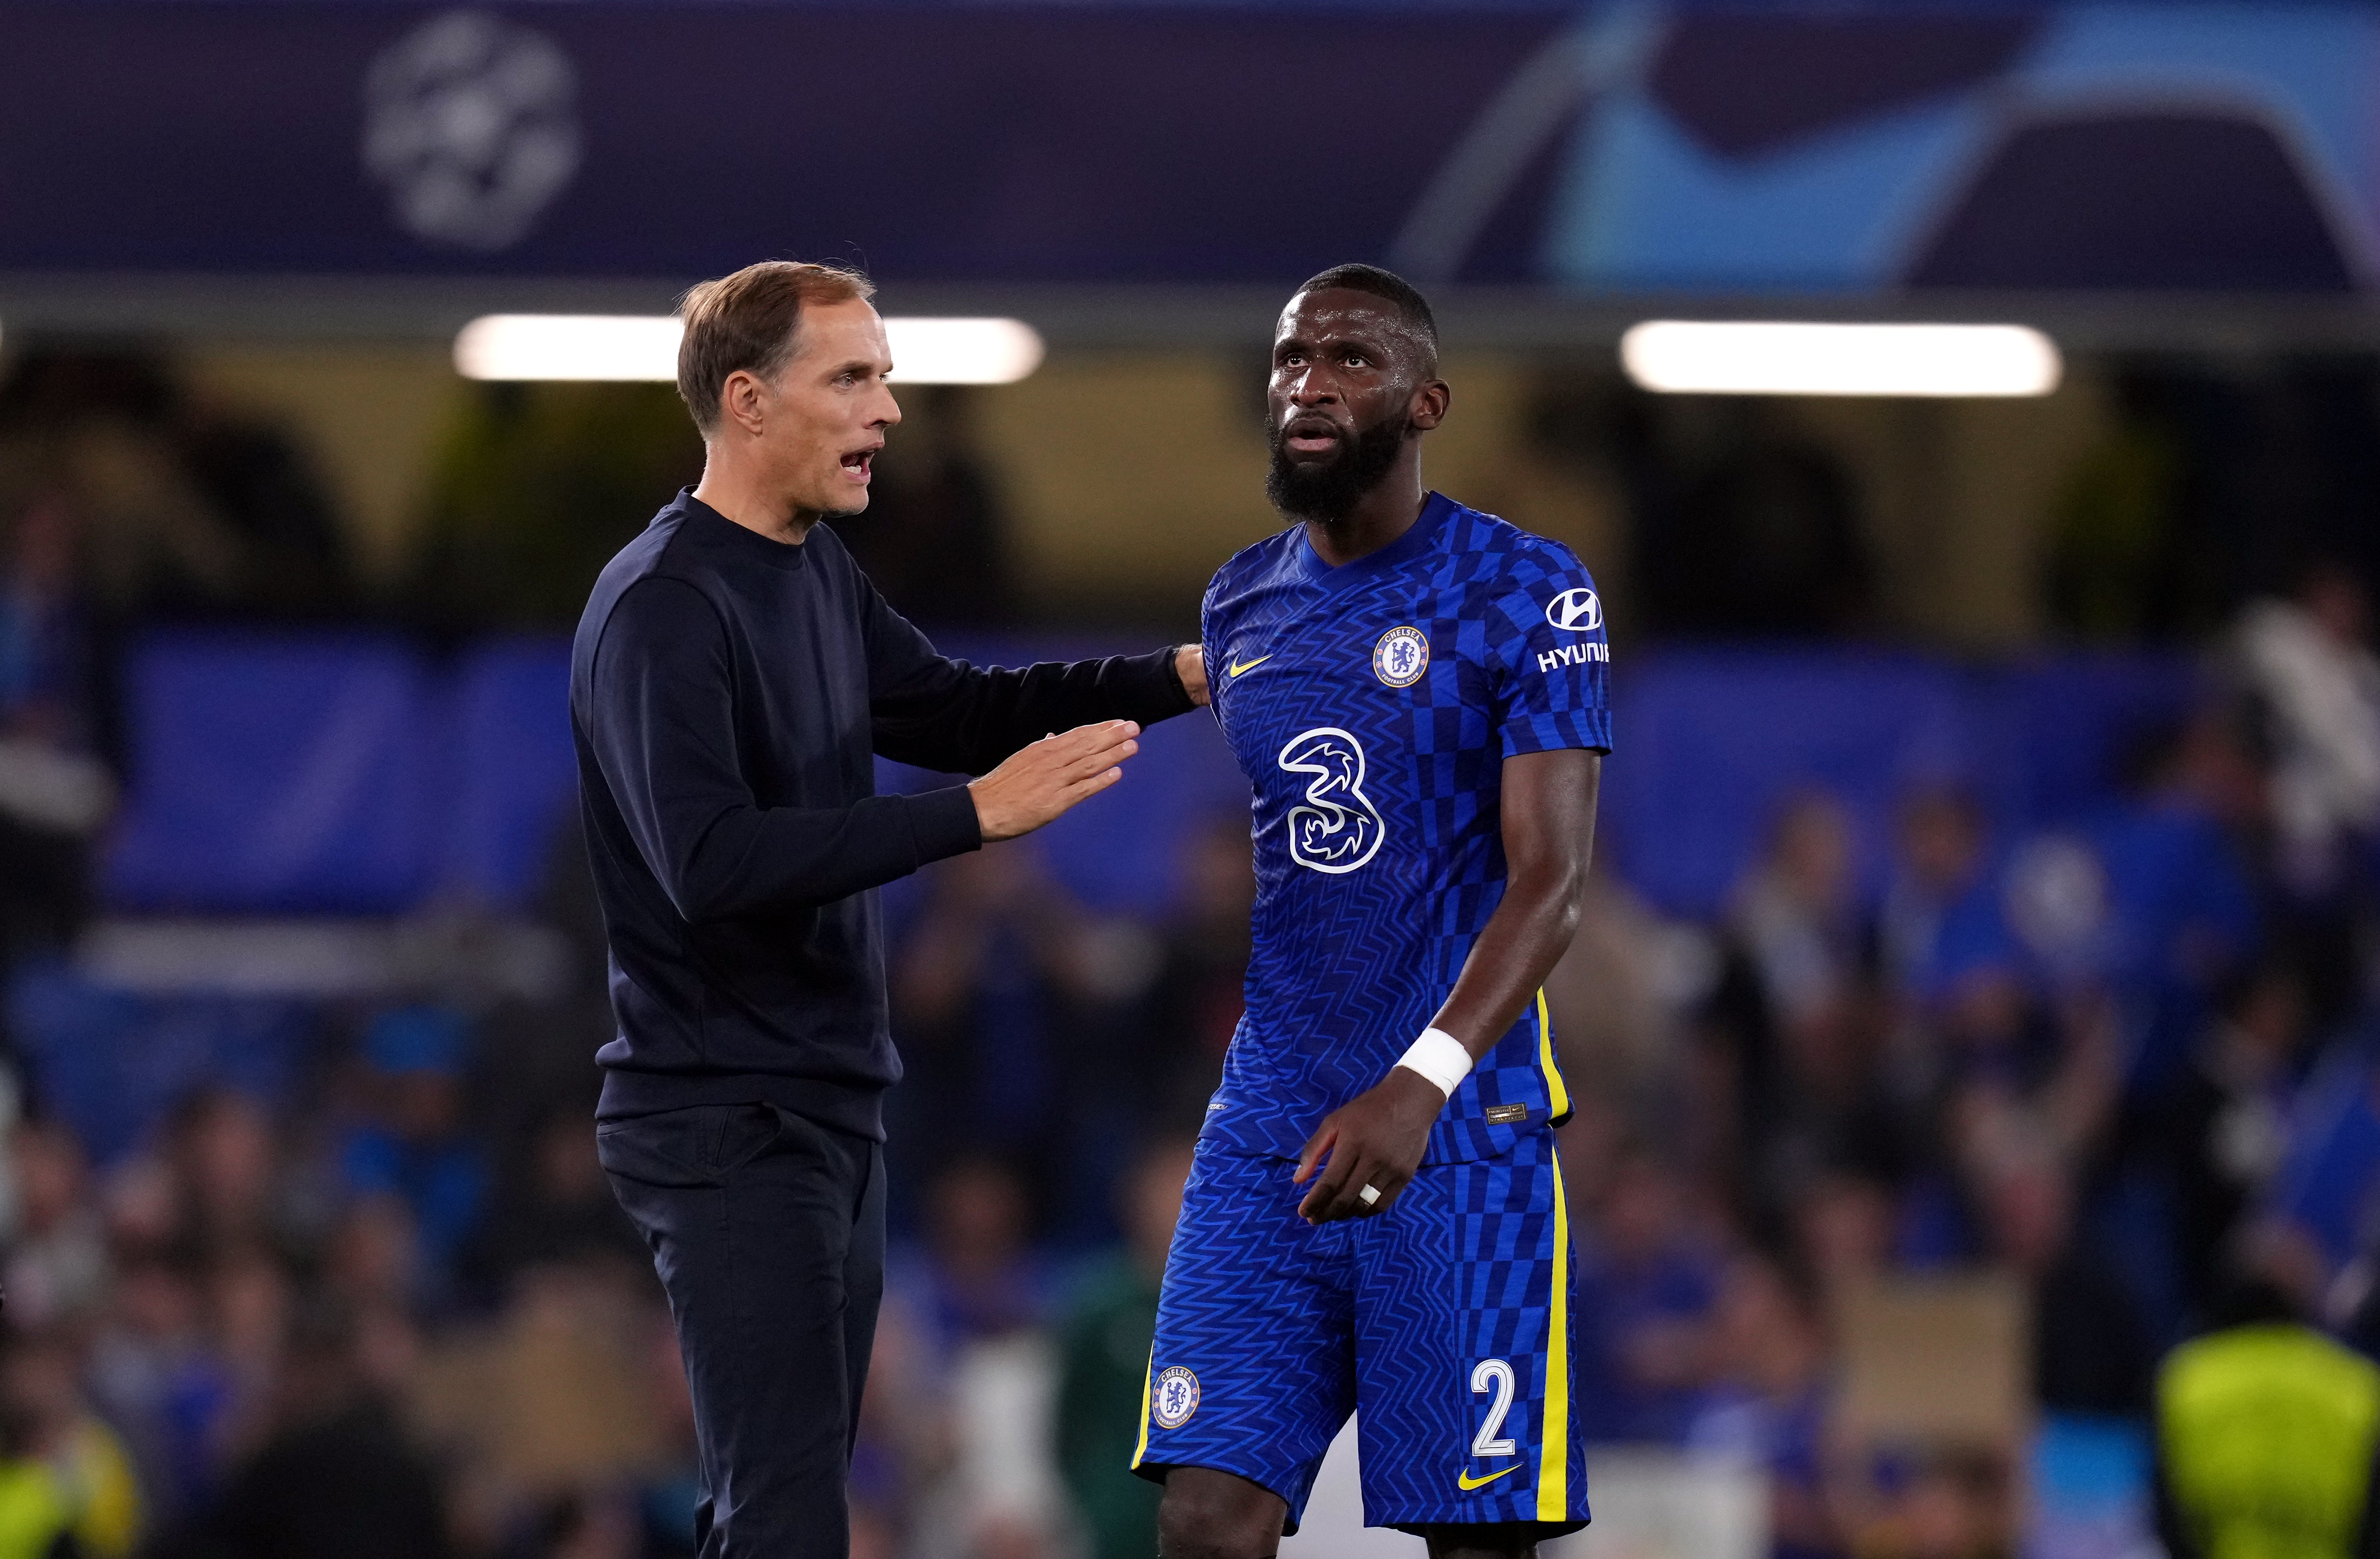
(728, 695)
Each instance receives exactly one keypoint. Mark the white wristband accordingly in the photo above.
(1441, 1057)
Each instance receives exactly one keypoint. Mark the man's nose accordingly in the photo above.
(1309, 388)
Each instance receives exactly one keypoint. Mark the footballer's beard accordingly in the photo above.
(1327, 491)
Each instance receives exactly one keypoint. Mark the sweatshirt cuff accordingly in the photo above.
(943, 824)
(1185, 703)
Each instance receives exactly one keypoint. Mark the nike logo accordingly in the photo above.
(1239, 666)
(1466, 1481)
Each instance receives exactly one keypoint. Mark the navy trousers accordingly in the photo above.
(768, 1232)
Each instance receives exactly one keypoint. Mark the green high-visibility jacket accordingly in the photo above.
(2265, 1437)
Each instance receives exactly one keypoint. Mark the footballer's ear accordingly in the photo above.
(1430, 398)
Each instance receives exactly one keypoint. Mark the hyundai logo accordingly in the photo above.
(1575, 610)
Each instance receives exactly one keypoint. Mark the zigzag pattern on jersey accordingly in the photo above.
(1461, 1269)
(1349, 967)
(1258, 1305)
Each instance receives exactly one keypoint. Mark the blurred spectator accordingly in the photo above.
(155, 1372)
(2317, 1216)
(1647, 1289)
(1193, 1003)
(1794, 1013)
(185, 507)
(54, 792)
(935, 541)
(2309, 663)
(223, 1166)
(984, 1296)
(975, 1276)
(2312, 685)
(1103, 1361)
(49, 1422)
(2182, 889)
(1011, 1004)
(1770, 1403)
(338, 1474)
(1845, 1226)
(57, 1269)
(2226, 1121)
(1617, 997)
(558, 1210)
(2265, 1437)
(1938, 887)
(2092, 1348)
(411, 1144)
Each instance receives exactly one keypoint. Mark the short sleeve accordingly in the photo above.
(1550, 655)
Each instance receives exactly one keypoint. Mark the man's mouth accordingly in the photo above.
(1310, 435)
(855, 465)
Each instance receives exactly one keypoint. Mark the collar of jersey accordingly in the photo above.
(1372, 565)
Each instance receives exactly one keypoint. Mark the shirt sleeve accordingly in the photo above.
(945, 714)
(1549, 655)
(661, 720)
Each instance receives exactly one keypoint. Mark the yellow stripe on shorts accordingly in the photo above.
(1553, 1449)
(1142, 1449)
(1556, 1090)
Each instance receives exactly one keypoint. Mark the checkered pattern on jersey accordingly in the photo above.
(1290, 1328)
(1461, 1271)
(1377, 813)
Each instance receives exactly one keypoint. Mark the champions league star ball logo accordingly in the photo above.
(470, 123)
(1173, 1397)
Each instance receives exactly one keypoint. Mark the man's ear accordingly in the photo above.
(741, 403)
(1430, 399)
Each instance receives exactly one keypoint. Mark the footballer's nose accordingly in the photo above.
(1311, 389)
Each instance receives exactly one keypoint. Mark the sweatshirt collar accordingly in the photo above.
(740, 542)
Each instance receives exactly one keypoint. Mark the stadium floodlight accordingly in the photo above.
(926, 350)
(568, 347)
(933, 350)
(1777, 357)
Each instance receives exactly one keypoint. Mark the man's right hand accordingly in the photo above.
(1046, 778)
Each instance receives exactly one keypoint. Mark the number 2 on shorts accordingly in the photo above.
(1493, 1374)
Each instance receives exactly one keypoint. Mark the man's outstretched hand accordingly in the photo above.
(1376, 1139)
(1041, 781)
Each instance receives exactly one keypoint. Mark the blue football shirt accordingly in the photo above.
(1372, 707)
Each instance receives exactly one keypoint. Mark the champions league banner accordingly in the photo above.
(2203, 147)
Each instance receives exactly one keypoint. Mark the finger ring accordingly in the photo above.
(1369, 1196)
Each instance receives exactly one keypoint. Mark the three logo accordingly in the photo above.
(1337, 829)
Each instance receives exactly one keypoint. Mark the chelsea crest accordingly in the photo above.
(1401, 656)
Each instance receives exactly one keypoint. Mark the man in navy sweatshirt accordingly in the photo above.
(732, 680)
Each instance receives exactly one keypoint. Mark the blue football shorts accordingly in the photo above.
(1445, 1324)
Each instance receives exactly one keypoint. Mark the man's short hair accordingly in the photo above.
(747, 322)
(1412, 307)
